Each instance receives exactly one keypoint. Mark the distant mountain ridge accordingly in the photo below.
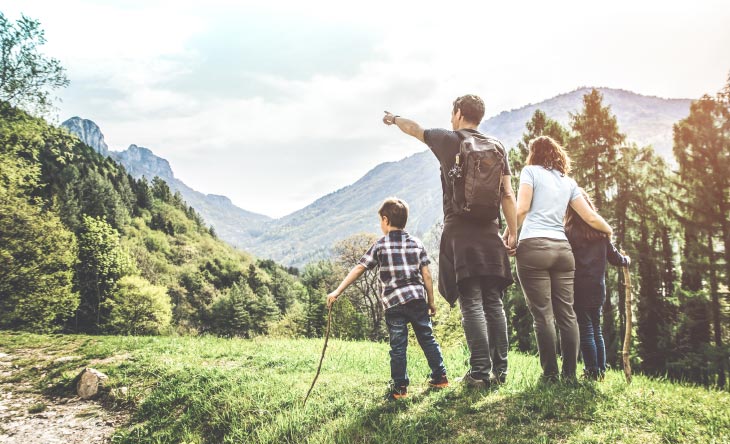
(298, 238)
(232, 224)
(647, 120)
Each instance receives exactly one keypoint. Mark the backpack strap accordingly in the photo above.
(460, 154)
(463, 135)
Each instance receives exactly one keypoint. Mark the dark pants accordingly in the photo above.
(591, 339)
(397, 319)
(485, 326)
(546, 269)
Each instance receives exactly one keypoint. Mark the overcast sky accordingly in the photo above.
(275, 104)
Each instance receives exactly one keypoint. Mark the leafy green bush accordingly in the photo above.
(37, 256)
(138, 307)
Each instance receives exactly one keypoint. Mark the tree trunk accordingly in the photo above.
(716, 319)
(691, 275)
(716, 297)
(597, 183)
(668, 256)
(620, 214)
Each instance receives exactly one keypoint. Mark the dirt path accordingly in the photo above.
(28, 417)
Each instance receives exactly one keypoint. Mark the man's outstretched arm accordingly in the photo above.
(406, 125)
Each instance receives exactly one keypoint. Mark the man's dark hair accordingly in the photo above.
(471, 106)
(396, 210)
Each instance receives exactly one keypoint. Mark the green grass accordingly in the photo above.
(37, 408)
(211, 390)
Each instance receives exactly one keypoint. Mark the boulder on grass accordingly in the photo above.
(91, 381)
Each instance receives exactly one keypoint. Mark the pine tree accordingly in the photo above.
(102, 262)
(539, 125)
(594, 147)
(702, 149)
(263, 311)
(643, 222)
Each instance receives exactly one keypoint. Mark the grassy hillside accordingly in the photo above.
(209, 390)
(86, 247)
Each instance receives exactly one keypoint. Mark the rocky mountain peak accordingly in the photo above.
(88, 132)
(141, 161)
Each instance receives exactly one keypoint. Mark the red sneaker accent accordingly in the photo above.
(441, 382)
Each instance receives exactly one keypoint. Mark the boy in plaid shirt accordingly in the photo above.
(406, 295)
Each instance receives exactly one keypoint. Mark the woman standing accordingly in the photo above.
(545, 264)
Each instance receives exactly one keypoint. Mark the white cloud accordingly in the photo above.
(123, 61)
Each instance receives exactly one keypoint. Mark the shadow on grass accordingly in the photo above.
(539, 413)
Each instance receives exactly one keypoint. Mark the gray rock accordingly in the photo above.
(88, 132)
(63, 359)
(90, 382)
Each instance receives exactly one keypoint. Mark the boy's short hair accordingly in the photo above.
(471, 106)
(396, 210)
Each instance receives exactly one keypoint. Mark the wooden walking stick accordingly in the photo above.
(627, 335)
(326, 338)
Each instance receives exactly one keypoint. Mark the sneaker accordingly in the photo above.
(438, 382)
(396, 392)
(472, 382)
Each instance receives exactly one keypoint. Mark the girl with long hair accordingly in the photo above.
(592, 249)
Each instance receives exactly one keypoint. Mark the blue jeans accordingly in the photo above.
(485, 326)
(397, 319)
(591, 339)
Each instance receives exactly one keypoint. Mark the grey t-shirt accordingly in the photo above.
(468, 248)
(551, 195)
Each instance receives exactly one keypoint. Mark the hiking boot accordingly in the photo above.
(438, 382)
(473, 382)
(396, 392)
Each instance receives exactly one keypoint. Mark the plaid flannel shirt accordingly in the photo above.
(400, 257)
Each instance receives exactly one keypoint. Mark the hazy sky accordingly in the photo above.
(275, 104)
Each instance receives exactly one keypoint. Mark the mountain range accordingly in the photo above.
(232, 224)
(299, 237)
